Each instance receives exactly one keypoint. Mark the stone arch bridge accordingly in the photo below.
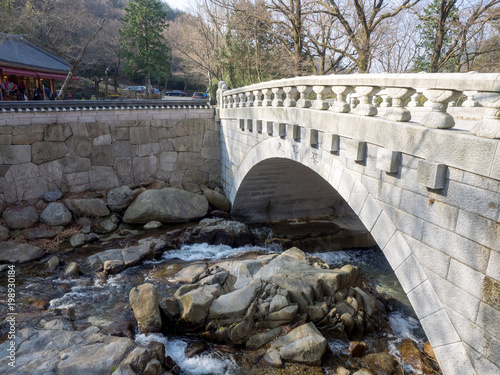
(427, 190)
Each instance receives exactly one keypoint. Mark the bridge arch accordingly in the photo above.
(271, 166)
(429, 195)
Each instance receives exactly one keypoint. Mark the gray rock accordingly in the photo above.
(4, 233)
(260, 339)
(58, 324)
(194, 305)
(2, 204)
(107, 225)
(87, 207)
(53, 263)
(55, 214)
(167, 206)
(20, 217)
(220, 231)
(40, 233)
(91, 237)
(119, 198)
(144, 302)
(191, 274)
(77, 240)
(52, 196)
(219, 201)
(113, 267)
(304, 344)
(14, 252)
(153, 225)
(137, 359)
(71, 270)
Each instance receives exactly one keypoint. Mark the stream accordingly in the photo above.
(102, 302)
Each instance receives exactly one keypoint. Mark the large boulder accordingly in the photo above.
(14, 252)
(219, 201)
(119, 198)
(144, 302)
(87, 207)
(20, 217)
(305, 344)
(167, 205)
(194, 305)
(219, 231)
(55, 214)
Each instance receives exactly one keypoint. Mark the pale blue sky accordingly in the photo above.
(179, 4)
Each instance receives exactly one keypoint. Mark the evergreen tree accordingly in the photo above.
(142, 42)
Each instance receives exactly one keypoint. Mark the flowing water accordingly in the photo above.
(104, 302)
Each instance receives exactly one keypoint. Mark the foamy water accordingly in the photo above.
(205, 251)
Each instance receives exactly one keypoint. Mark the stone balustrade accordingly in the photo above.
(398, 91)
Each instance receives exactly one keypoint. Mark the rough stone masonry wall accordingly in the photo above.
(81, 151)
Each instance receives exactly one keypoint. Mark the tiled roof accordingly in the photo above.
(17, 52)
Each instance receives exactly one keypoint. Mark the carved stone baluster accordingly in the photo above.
(398, 112)
(320, 102)
(258, 98)
(438, 118)
(489, 126)
(277, 102)
(303, 101)
(341, 105)
(231, 101)
(236, 101)
(366, 94)
(414, 100)
(226, 102)
(249, 100)
(470, 102)
(267, 102)
(385, 100)
(243, 98)
(289, 100)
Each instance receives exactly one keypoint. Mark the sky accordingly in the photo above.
(179, 4)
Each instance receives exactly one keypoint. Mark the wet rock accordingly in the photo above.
(153, 225)
(411, 355)
(107, 225)
(428, 350)
(363, 371)
(85, 223)
(194, 305)
(20, 217)
(153, 368)
(191, 274)
(304, 344)
(381, 363)
(14, 252)
(342, 371)
(171, 366)
(170, 308)
(195, 348)
(130, 256)
(53, 263)
(91, 237)
(137, 359)
(219, 201)
(4, 233)
(167, 205)
(157, 350)
(71, 270)
(77, 240)
(52, 196)
(357, 349)
(221, 232)
(92, 207)
(144, 302)
(2, 204)
(55, 214)
(112, 267)
(119, 198)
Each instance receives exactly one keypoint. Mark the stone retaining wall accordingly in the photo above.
(93, 150)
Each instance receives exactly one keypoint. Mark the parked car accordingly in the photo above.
(175, 93)
(137, 88)
(198, 95)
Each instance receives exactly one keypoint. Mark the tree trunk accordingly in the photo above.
(74, 66)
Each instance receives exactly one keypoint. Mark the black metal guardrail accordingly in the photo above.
(99, 105)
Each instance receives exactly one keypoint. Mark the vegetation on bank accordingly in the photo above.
(249, 41)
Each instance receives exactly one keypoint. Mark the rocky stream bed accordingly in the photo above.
(132, 292)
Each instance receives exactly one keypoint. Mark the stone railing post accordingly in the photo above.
(289, 100)
(365, 108)
(230, 99)
(304, 101)
(341, 105)
(438, 118)
(258, 98)
(489, 126)
(320, 102)
(242, 99)
(249, 99)
(220, 94)
(414, 100)
(236, 101)
(385, 99)
(277, 101)
(267, 102)
(470, 102)
(398, 112)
